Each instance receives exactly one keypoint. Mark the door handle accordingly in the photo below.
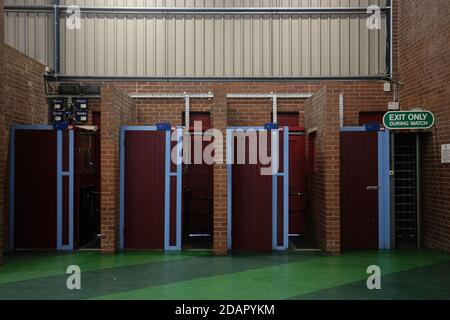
(373, 188)
(299, 194)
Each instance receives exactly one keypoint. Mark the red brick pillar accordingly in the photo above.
(109, 199)
(117, 109)
(219, 120)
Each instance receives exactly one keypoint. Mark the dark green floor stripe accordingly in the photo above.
(21, 266)
(425, 283)
(287, 280)
(122, 279)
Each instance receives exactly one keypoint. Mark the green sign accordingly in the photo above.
(408, 120)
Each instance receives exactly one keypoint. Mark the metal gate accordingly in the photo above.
(150, 188)
(258, 206)
(41, 188)
(406, 184)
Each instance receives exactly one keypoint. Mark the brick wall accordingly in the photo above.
(322, 120)
(117, 109)
(24, 102)
(424, 70)
(359, 96)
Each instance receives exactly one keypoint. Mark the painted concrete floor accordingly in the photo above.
(406, 274)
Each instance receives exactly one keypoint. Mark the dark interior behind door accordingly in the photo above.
(198, 192)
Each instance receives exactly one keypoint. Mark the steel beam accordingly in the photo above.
(69, 78)
(196, 10)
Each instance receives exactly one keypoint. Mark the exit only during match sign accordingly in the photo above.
(408, 120)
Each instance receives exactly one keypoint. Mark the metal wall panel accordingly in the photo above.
(29, 32)
(201, 45)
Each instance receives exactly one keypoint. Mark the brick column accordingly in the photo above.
(322, 119)
(117, 109)
(219, 120)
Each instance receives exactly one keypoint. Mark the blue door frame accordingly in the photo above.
(384, 185)
(168, 175)
(59, 183)
(284, 174)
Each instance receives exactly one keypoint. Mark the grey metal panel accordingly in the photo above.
(201, 45)
(30, 33)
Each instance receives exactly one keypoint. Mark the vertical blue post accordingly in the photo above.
(384, 203)
(275, 212)
(389, 37)
(286, 188)
(167, 194)
(122, 186)
(230, 158)
(57, 37)
(59, 145)
(274, 141)
(12, 165)
(71, 186)
(179, 183)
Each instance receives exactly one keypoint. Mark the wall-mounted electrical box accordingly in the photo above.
(59, 109)
(72, 112)
(81, 110)
(394, 106)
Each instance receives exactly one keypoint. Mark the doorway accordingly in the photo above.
(359, 190)
(198, 191)
(297, 180)
(406, 189)
(87, 189)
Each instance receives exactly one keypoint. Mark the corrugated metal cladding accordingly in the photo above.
(202, 45)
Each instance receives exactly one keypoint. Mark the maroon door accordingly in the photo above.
(144, 189)
(297, 181)
(251, 206)
(359, 190)
(198, 187)
(35, 189)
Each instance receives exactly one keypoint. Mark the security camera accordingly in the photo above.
(49, 71)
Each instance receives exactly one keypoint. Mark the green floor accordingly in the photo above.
(409, 274)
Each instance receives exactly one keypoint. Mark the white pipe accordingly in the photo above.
(270, 96)
(187, 110)
(341, 110)
(275, 109)
(208, 95)
(273, 96)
